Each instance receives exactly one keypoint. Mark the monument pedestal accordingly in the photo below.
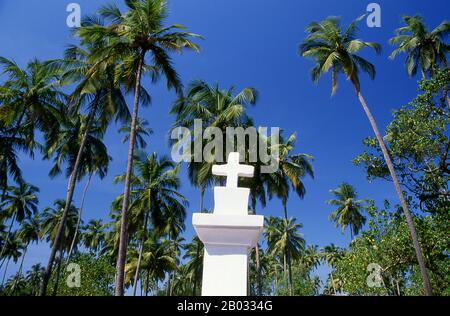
(228, 240)
(228, 234)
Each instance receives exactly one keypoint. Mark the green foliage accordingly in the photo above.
(387, 243)
(419, 144)
(97, 277)
(303, 283)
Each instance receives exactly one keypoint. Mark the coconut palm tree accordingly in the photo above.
(176, 244)
(93, 235)
(13, 250)
(424, 50)
(284, 241)
(20, 202)
(51, 223)
(34, 278)
(311, 257)
(194, 254)
(155, 199)
(132, 36)
(156, 260)
(215, 107)
(142, 130)
(182, 281)
(335, 49)
(102, 97)
(349, 209)
(65, 146)
(29, 98)
(51, 217)
(29, 233)
(330, 255)
(292, 168)
(11, 143)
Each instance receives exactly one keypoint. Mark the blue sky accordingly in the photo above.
(247, 43)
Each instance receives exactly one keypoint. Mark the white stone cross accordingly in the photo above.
(233, 170)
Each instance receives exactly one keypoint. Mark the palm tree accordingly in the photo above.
(311, 257)
(28, 99)
(29, 233)
(284, 241)
(336, 50)
(292, 168)
(13, 250)
(154, 196)
(65, 145)
(181, 281)
(330, 255)
(11, 142)
(34, 278)
(348, 212)
(19, 203)
(156, 260)
(51, 223)
(98, 92)
(141, 131)
(425, 50)
(131, 37)
(176, 244)
(94, 235)
(51, 218)
(194, 252)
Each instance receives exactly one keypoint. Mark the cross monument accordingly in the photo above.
(228, 234)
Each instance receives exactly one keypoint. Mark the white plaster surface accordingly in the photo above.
(228, 234)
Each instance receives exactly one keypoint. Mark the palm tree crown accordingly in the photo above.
(424, 50)
(336, 50)
(348, 213)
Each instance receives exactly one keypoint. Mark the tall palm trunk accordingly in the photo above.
(197, 255)
(147, 283)
(258, 271)
(6, 270)
(14, 134)
(171, 273)
(123, 239)
(58, 269)
(408, 216)
(70, 192)
(138, 268)
(80, 212)
(287, 254)
(141, 250)
(7, 238)
(257, 259)
(19, 273)
(332, 283)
